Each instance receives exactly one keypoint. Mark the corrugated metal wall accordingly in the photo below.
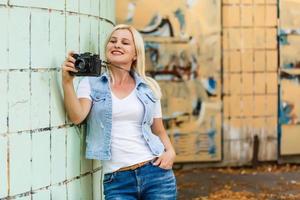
(41, 153)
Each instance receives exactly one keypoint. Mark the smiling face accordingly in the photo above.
(120, 49)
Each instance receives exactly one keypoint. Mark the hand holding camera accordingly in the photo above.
(68, 67)
(85, 64)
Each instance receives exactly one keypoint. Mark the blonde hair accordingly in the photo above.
(138, 66)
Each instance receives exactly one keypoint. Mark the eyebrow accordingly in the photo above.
(121, 38)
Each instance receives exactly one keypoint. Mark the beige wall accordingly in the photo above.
(250, 78)
(247, 78)
(195, 48)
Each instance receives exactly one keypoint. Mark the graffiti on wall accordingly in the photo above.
(290, 62)
(182, 43)
(289, 37)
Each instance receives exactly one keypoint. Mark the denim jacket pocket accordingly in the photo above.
(98, 96)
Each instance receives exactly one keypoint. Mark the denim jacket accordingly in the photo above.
(99, 120)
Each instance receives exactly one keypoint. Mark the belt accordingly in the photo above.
(133, 167)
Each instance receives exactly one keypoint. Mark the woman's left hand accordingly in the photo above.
(166, 160)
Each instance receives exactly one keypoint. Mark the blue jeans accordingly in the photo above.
(148, 182)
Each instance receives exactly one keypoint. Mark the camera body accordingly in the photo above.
(87, 64)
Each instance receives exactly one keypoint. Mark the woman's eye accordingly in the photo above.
(113, 41)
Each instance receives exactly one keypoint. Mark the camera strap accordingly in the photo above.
(108, 63)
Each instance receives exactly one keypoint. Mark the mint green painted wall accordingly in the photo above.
(41, 152)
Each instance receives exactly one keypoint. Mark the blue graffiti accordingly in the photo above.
(288, 65)
(154, 20)
(285, 113)
(283, 37)
(180, 17)
(176, 136)
(153, 49)
(211, 134)
(211, 139)
(212, 149)
(131, 12)
(283, 40)
(210, 85)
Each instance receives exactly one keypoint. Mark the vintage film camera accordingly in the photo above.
(87, 64)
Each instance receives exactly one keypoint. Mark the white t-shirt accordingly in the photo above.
(128, 146)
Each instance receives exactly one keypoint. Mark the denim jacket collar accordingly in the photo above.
(137, 78)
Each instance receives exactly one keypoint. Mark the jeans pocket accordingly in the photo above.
(156, 166)
(108, 178)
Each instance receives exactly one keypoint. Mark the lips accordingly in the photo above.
(116, 52)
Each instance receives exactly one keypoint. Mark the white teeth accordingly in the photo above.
(116, 52)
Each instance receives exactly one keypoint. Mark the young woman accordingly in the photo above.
(124, 121)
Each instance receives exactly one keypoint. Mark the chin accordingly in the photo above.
(118, 62)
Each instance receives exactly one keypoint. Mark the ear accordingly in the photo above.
(134, 58)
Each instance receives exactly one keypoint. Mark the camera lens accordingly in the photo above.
(80, 65)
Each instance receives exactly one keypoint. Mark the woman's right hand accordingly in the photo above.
(67, 67)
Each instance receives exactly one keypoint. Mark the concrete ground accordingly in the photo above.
(266, 182)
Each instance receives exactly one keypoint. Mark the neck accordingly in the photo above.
(120, 76)
(116, 66)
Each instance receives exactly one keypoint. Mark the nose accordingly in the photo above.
(117, 45)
